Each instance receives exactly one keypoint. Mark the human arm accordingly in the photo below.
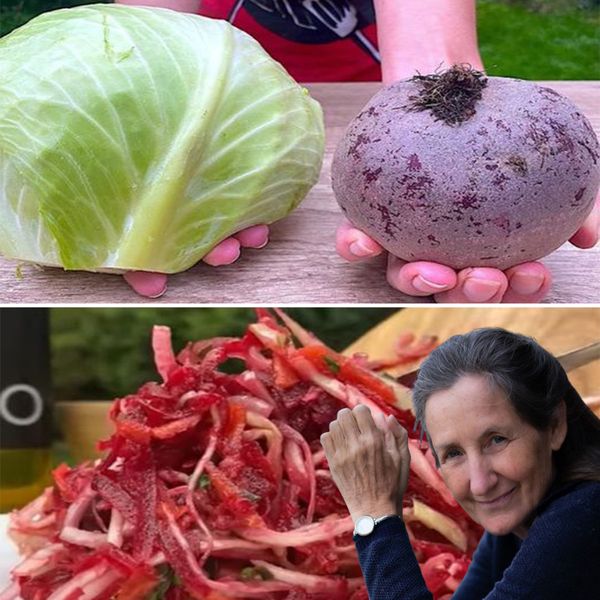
(424, 36)
(557, 560)
(369, 464)
(392, 572)
(388, 564)
(559, 557)
(189, 6)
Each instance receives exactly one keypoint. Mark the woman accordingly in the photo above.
(518, 449)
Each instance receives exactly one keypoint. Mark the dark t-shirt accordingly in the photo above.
(558, 560)
(315, 40)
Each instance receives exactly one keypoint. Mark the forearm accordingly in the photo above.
(389, 565)
(189, 6)
(424, 35)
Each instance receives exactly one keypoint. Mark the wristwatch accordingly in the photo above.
(366, 524)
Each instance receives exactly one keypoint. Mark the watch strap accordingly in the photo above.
(379, 519)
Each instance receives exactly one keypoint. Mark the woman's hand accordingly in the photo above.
(153, 285)
(369, 464)
(189, 6)
(527, 282)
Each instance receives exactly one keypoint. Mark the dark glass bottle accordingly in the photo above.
(25, 416)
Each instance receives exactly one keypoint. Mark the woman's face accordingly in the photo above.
(497, 466)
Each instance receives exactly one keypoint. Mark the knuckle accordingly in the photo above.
(344, 412)
(371, 441)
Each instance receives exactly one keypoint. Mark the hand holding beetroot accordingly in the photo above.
(455, 169)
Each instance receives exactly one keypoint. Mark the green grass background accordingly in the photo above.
(549, 42)
(530, 39)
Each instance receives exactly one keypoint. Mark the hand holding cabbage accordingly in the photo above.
(136, 139)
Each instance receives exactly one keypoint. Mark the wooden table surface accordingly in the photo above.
(300, 264)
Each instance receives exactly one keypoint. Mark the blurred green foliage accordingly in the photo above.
(529, 39)
(516, 41)
(14, 13)
(547, 6)
(101, 353)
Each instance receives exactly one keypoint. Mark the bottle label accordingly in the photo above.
(25, 419)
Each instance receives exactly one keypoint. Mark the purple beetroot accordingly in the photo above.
(465, 170)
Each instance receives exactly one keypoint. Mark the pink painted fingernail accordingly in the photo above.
(159, 293)
(227, 252)
(526, 283)
(253, 237)
(149, 285)
(262, 245)
(424, 285)
(480, 290)
(359, 249)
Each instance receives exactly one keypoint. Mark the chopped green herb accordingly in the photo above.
(204, 481)
(250, 496)
(168, 579)
(331, 364)
(255, 574)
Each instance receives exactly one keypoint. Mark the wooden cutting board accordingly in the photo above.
(558, 329)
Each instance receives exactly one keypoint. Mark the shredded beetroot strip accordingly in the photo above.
(215, 486)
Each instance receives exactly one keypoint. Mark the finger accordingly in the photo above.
(394, 426)
(328, 445)
(398, 434)
(253, 237)
(419, 278)
(401, 443)
(397, 446)
(405, 458)
(352, 244)
(391, 447)
(348, 424)
(364, 419)
(150, 285)
(529, 282)
(587, 235)
(337, 435)
(380, 420)
(478, 284)
(224, 253)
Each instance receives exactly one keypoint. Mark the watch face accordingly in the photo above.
(365, 525)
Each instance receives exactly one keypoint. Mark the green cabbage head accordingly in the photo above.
(138, 138)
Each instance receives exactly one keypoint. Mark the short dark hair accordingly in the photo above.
(533, 380)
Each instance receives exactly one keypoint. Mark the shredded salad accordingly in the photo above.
(214, 484)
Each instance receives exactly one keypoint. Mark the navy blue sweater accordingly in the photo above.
(558, 560)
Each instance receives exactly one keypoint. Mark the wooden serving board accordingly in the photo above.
(558, 329)
(300, 264)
